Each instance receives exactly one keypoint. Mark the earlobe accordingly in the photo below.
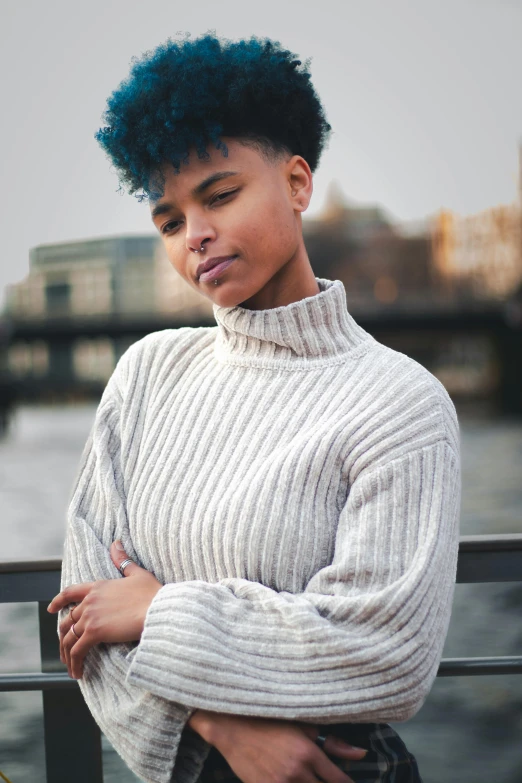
(298, 202)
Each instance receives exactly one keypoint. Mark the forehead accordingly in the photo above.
(241, 160)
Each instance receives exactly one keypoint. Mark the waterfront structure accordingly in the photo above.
(480, 255)
(381, 262)
(83, 303)
(483, 250)
(125, 276)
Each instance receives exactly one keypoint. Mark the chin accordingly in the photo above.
(225, 299)
(219, 295)
(232, 291)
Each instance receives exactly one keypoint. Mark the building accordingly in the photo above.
(121, 276)
(481, 253)
(124, 275)
(379, 263)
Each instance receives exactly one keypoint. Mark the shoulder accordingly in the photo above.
(399, 407)
(158, 352)
(419, 391)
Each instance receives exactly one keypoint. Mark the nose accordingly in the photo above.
(200, 249)
(198, 234)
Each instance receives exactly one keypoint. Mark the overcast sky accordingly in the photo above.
(424, 98)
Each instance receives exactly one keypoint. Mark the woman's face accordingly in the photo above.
(241, 206)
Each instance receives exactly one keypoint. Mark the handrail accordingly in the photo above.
(489, 542)
(477, 543)
(36, 564)
(73, 739)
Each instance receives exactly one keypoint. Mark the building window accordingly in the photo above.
(19, 359)
(93, 359)
(57, 298)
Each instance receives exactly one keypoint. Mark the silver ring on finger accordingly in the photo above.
(123, 565)
(74, 632)
(320, 740)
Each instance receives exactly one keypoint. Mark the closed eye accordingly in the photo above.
(220, 197)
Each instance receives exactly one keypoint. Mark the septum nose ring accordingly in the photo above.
(201, 250)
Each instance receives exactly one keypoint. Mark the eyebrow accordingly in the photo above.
(165, 206)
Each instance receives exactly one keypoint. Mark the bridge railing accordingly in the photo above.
(73, 739)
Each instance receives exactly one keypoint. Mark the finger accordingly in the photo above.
(63, 655)
(78, 653)
(72, 616)
(63, 628)
(336, 746)
(71, 594)
(118, 555)
(70, 637)
(70, 641)
(67, 642)
(328, 771)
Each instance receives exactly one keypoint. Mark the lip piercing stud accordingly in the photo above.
(200, 251)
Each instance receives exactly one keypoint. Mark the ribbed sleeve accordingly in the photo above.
(361, 643)
(147, 731)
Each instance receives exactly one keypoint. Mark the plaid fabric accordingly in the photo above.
(387, 761)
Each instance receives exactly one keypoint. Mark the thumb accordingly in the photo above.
(118, 555)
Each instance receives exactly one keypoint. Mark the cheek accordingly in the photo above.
(177, 256)
(174, 250)
(269, 225)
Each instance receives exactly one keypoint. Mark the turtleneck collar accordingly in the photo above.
(312, 332)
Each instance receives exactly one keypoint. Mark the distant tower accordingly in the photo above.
(335, 204)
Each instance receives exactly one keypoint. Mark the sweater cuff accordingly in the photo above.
(189, 749)
(166, 634)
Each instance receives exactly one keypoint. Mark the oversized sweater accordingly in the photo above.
(295, 486)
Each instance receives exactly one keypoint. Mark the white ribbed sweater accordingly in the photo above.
(295, 486)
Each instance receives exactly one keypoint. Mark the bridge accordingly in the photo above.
(418, 331)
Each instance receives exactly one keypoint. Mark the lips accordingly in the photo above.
(209, 263)
(216, 271)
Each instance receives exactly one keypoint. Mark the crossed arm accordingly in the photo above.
(110, 610)
(114, 610)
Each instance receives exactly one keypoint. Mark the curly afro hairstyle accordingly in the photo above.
(187, 94)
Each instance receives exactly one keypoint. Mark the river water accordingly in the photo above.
(469, 729)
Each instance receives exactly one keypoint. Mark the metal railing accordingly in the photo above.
(73, 739)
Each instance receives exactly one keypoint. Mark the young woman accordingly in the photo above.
(284, 489)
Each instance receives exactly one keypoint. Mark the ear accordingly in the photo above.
(300, 181)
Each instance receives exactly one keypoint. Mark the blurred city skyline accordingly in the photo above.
(84, 302)
(421, 98)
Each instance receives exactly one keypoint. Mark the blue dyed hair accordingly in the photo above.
(189, 93)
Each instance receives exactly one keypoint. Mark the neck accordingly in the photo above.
(293, 282)
(309, 333)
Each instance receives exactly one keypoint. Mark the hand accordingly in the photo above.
(258, 749)
(108, 610)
